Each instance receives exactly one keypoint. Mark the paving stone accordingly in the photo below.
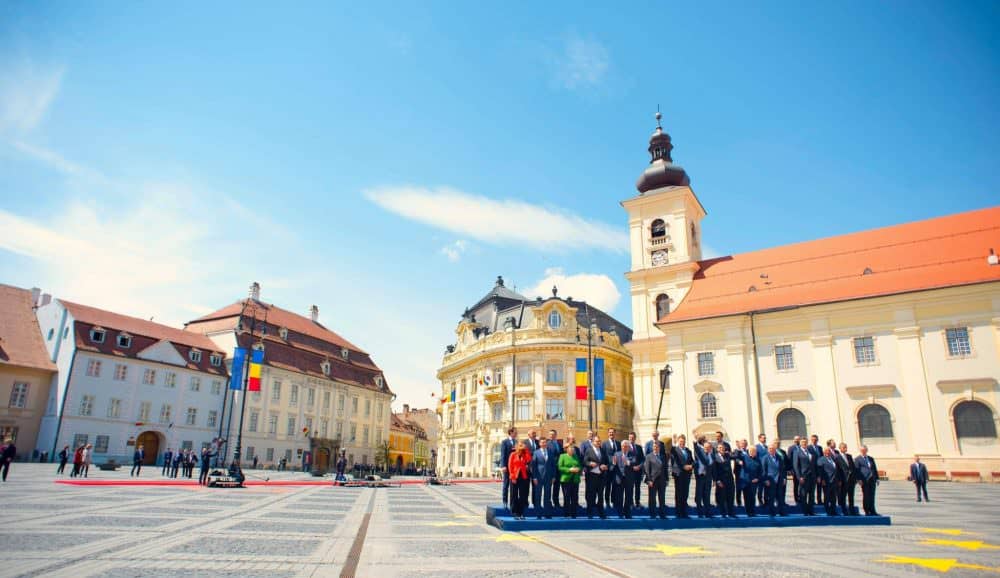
(116, 521)
(271, 527)
(249, 547)
(39, 542)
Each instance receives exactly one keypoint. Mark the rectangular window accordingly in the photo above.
(364, 435)
(523, 408)
(195, 384)
(170, 380)
(461, 455)
(192, 416)
(461, 419)
(340, 429)
(19, 395)
(324, 427)
(354, 406)
(217, 388)
(149, 376)
(461, 391)
(864, 350)
(288, 456)
(215, 360)
(473, 415)
(497, 410)
(309, 425)
(254, 419)
(378, 411)
(79, 440)
(276, 391)
(145, 408)
(165, 411)
(293, 398)
(114, 408)
(326, 400)
(706, 363)
(255, 396)
(94, 368)
(311, 396)
(87, 405)
(783, 357)
(251, 452)
(498, 376)
(213, 417)
(583, 409)
(554, 373)
(101, 444)
(609, 412)
(269, 454)
(958, 342)
(368, 408)
(554, 408)
(524, 374)
(272, 424)
(121, 372)
(187, 445)
(354, 432)
(290, 430)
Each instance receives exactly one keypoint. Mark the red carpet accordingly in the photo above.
(249, 482)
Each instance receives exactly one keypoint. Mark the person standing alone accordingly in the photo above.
(137, 458)
(7, 455)
(918, 475)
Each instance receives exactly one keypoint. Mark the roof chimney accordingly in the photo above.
(255, 291)
(35, 292)
(46, 299)
(314, 313)
(406, 409)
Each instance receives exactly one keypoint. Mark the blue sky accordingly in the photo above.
(386, 162)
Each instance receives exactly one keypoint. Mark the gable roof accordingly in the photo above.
(936, 253)
(135, 326)
(21, 341)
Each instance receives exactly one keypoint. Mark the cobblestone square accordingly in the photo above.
(51, 529)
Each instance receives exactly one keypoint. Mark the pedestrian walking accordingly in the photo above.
(137, 458)
(7, 454)
(88, 458)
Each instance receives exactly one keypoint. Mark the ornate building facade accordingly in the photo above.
(514, 361)
(888, 337)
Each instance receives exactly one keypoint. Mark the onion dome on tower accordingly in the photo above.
(661, 172)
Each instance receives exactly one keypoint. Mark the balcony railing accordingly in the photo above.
(658, 241)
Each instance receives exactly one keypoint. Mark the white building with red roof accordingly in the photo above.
(320, 394)
(888, 337)
(125, 382)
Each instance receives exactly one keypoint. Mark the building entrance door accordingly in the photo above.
(150, 442)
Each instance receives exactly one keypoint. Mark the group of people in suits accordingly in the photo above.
(615, 472)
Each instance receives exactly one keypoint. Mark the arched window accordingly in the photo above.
(662, 305)
(658, 229)
(709, 406)
(791, 423)
(874, 422)
(973, 419)
(555, 320)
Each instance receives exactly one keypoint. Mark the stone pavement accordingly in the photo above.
(49, 529)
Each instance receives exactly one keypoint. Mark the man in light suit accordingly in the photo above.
(555, 450)
(773, 467)
(827, 473)
(611, 447)
(640, 456)
(626, 471)
(804, 468)
(654, 466)
(543, 468)
(919, 475)
(595, 464)
(868, 476)
(507, 447)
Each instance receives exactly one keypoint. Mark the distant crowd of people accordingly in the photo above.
(752, 476)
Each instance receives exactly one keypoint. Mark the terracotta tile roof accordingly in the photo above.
(21, 341)
(942, 252)
(140, 343)
(279, 317)
(136, 326)
(401, 424)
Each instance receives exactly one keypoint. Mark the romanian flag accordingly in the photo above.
(236, 376)
(598, 379)
(257, 357)
(581, 378)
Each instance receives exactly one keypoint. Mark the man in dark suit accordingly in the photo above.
(507, 447)
(611, 447)
(627, 472)
(168, 460)
(683, 466)
(654, 467)
(827, 475)
(773, 466)
(738, 456)
(720, 441)
(761, 452)
(919, 476)
(586, 443)
(595, 464)
(555, 450)
(782, 489)
(640, 456)
(722, 475)
(543, 468)
(704, 462)
(867, 473)
(137, 457)
(662, 448)
(791, 451)
(804, 468)
(847, 492)
(845, 471)
(532, 444)
(817, 452)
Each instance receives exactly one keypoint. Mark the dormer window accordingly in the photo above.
(345, 353)
(325, 366)
(97, 335)
(215, 360)
(555, 320)
(195, 356)
(124, 340)
(378, 380)
(283, 333)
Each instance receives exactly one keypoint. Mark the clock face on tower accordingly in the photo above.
(659, 258)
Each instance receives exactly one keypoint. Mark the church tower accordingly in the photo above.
(665, 244)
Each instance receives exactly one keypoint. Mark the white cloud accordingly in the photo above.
(499, 222)
(454, 250)
(59, 163)
(26, 91)
(580, 62)
(597, 290)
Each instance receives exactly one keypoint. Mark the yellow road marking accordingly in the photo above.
(447, 524)
(515, 538)
(965, 545)
(668, 550)
(942, 565)
(948, 531)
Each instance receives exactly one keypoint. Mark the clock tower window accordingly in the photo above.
(662, 306)
(658, 229)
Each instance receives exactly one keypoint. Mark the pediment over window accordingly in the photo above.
(164, 352)
(789, 395)
(867, 391)
(707, 385)
(959, 385)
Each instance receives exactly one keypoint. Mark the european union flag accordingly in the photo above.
(599, 379)
(236, 377)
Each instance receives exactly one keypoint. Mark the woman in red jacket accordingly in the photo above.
(518, 469)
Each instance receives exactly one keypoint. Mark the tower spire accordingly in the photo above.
(661, 172)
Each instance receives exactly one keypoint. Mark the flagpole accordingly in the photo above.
(237, 454)
(590, 368)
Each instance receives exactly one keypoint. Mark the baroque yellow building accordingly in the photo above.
(515, 360)
(888, 337)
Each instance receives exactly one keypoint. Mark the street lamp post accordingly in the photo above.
(591, 402)
(249, 306)
(664, 386)
(512, 326)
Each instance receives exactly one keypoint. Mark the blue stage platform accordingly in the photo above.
(501, 517)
